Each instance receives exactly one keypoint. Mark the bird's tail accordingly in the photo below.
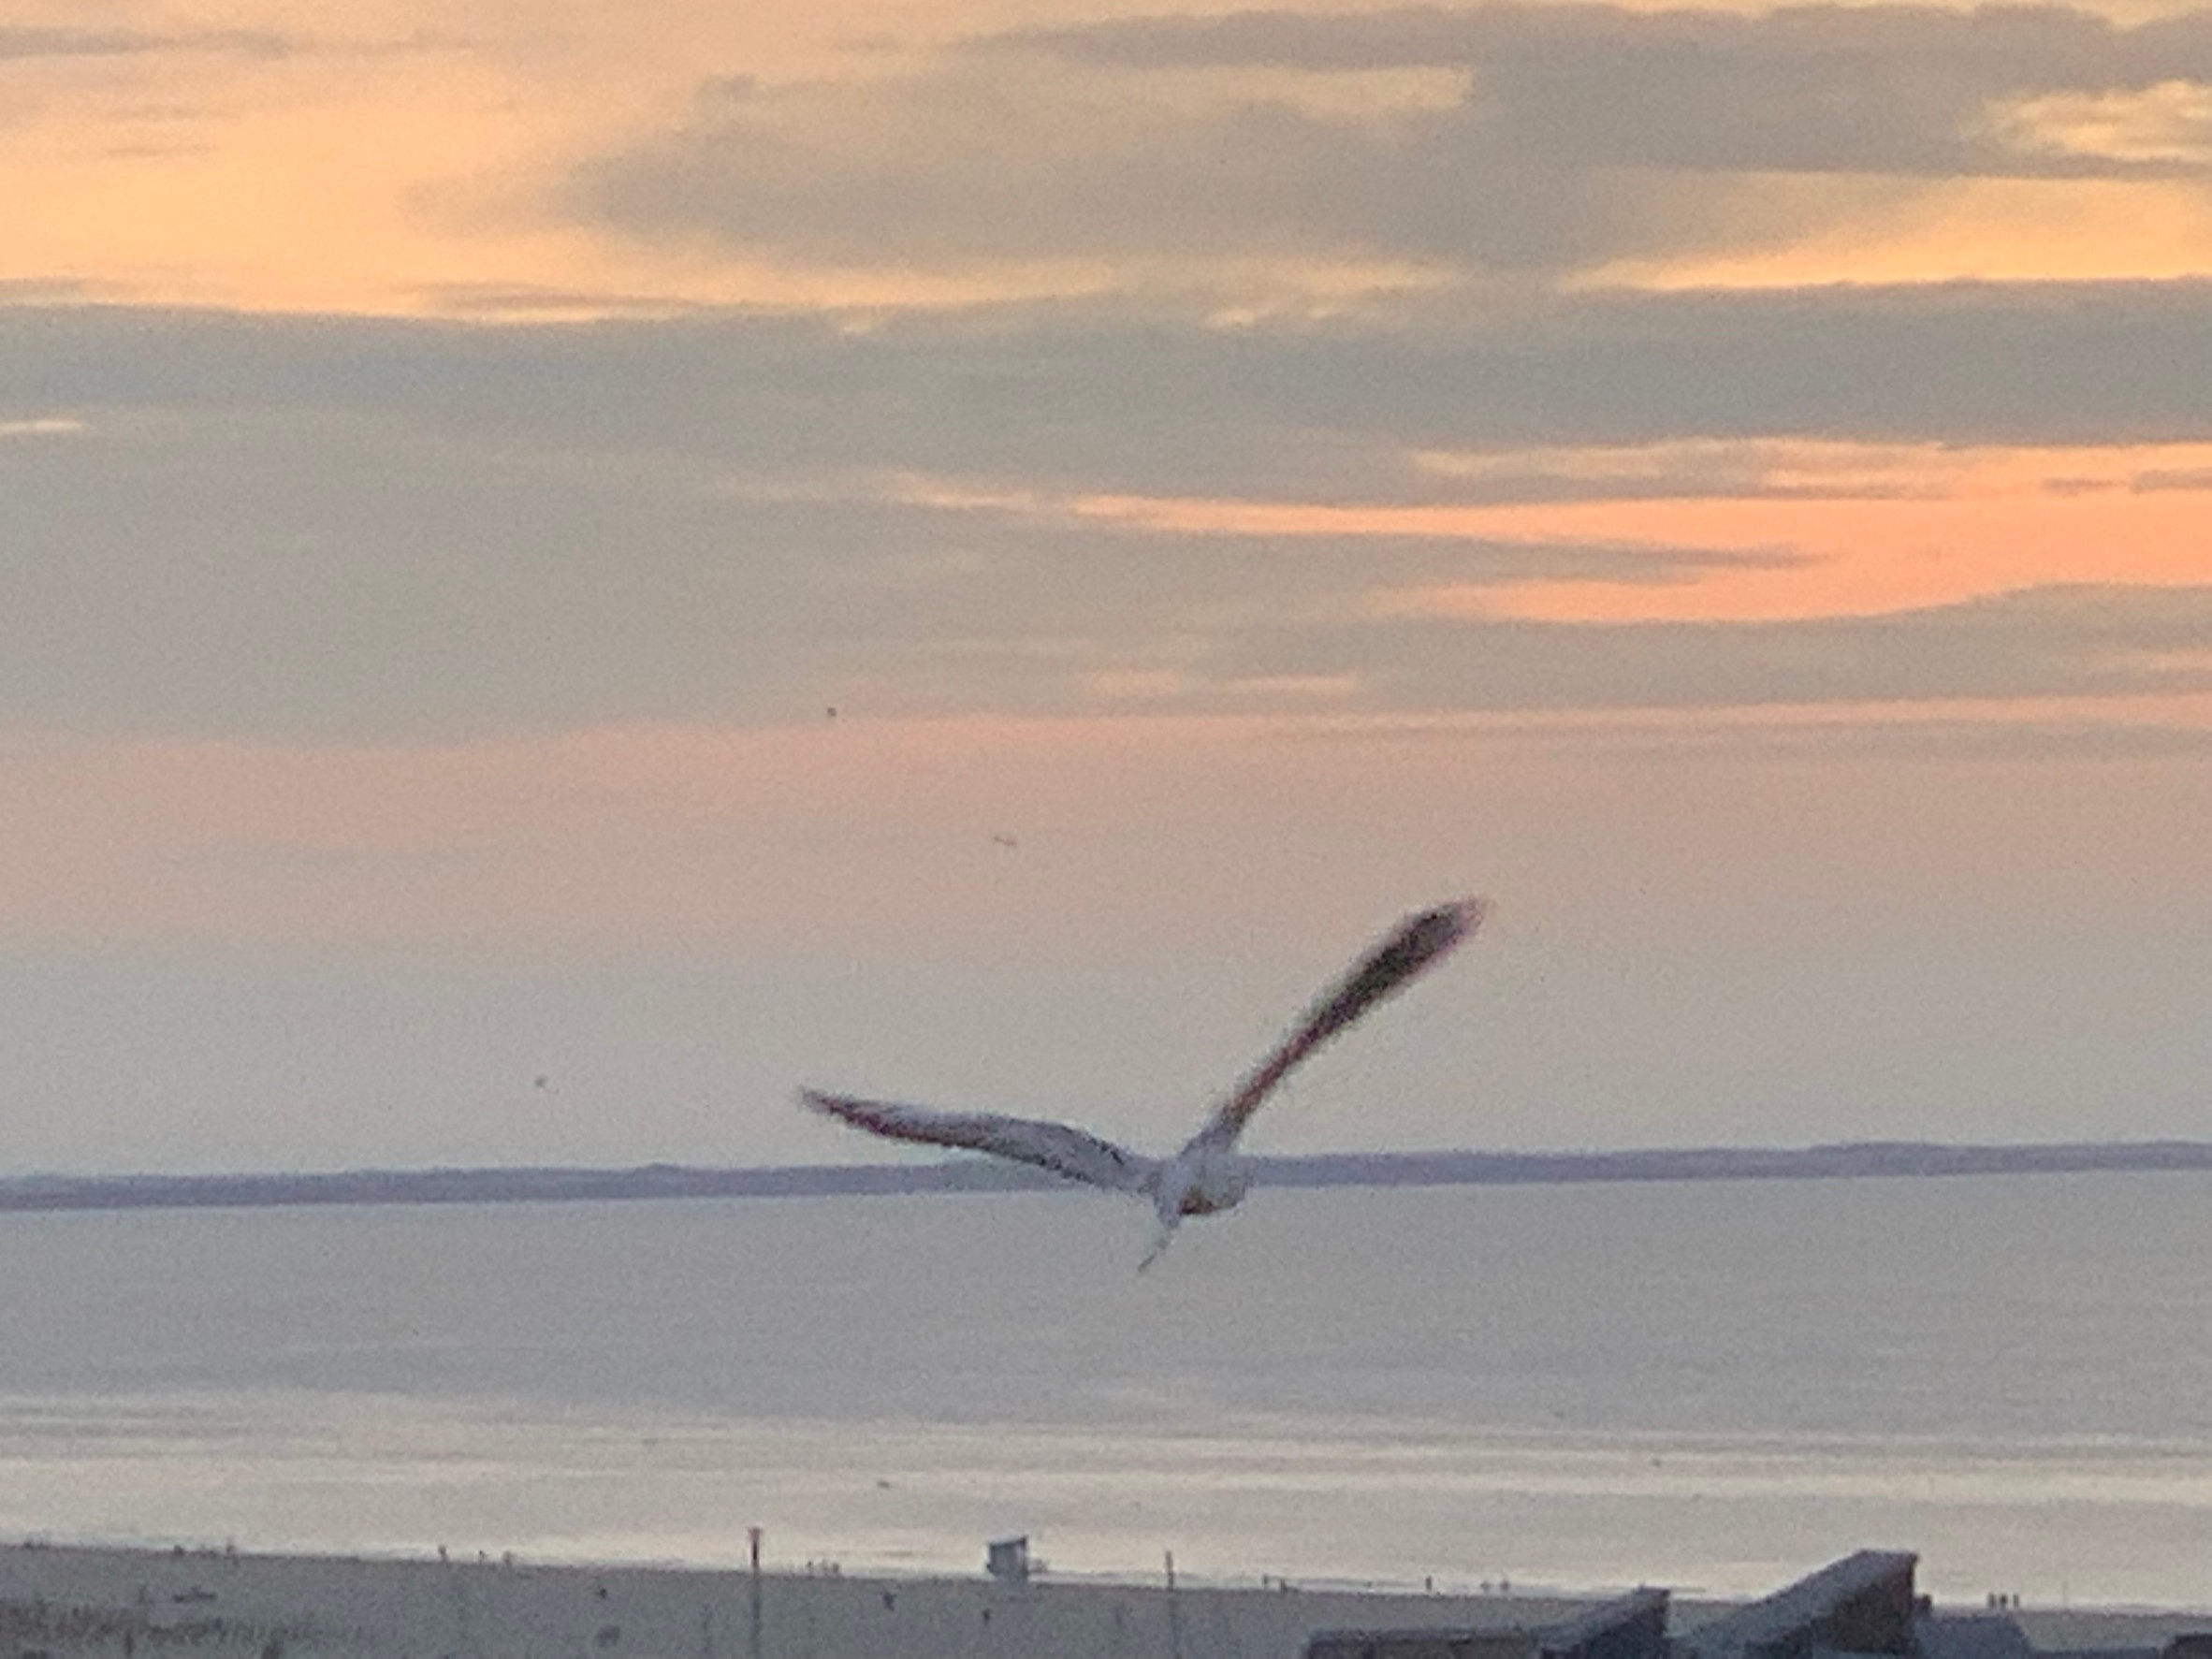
(1168, 1187)
(1160, 1241)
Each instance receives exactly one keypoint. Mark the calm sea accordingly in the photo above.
(1711, 1385)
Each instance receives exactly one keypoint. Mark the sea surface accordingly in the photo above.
(1714, 1385)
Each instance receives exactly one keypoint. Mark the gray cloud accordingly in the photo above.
(311, 528)
(1586, 133)
(1092, 396)
(1896, 89)
(338, 575)
(975, 161)
(21, 40)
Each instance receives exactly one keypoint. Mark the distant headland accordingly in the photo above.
(1341, 1169)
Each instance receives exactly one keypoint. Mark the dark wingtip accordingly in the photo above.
(1431, 933)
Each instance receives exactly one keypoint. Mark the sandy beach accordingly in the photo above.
(62, 1602)
(65, 1601)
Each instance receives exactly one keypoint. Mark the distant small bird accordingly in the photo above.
(1004, 842)
(830, 713)
(541, 1081)
(1207, 1175)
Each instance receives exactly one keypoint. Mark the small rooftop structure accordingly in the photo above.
(1008, 1560)
(1863, 1603)
(1632, 1627)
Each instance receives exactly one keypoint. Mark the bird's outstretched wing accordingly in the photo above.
(1418, 943)
(1053, 1146)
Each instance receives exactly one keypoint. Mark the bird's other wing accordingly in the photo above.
(1418, 943)
(1053, 1146)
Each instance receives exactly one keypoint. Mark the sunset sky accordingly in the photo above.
(1732, 484)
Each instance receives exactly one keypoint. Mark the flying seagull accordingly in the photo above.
(1208, 1175)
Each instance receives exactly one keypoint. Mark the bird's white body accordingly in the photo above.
(1202, 1181)
(1208, 1175)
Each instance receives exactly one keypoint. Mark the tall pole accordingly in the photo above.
(752, 1538)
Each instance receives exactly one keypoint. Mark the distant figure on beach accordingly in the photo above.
(1207, 1175)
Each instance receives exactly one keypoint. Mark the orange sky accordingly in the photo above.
(1849, 530)
(455, 454)
(406, 160)
(396, 162)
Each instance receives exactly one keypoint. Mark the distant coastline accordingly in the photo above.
(1346, 1169)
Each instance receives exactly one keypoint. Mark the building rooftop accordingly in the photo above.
(1801, 1616)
